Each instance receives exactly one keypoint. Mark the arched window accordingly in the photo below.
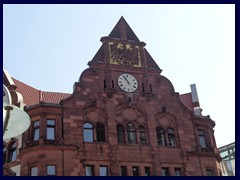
(88, 132)
(100, 132)
(120, 134)
(142, 135)
(160, 136)
(171, 137)
(131, 133)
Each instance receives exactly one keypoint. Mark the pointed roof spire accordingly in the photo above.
(123, 31)
(122, 28)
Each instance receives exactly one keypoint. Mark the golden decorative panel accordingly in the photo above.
(124, 54)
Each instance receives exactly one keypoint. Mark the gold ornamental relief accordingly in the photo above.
(124, 54)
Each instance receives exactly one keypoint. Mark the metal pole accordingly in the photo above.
(7, 108)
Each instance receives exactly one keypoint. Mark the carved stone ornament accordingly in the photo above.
(124, 54)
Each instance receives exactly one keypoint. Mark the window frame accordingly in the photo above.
(177, 169)
(50, 126)
(90, 130)
(92, 170)
(30, 170)
(120, 134)
(103, 166)
(147, 168)
(164, 170)
(12, 151)
(161, 136)
(138, 172)
(201, 136)
(100, 132)
(55, 169)
(142, 135)
(171, 137)
(210, 170)
(36, 128)
(125, 169)
(131, 133)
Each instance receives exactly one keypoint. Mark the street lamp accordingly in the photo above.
(15, 120)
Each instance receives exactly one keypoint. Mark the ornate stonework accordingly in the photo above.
(124, 54)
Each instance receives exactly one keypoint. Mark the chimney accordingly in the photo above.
(195, 100)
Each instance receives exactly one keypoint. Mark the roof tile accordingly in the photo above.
(32, 96)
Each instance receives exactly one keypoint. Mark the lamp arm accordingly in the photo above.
(8, 109)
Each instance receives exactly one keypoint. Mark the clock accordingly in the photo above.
(127, 82)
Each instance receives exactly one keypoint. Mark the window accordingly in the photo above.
(120, 134)
(165, 171)
(177, 171)
(227, 153)
(135, 171)
(12, 152)
(103, 171)
(209, 172)
(171, 137)
(202, 138)
(34, 171)
(89, 170)
(224, 155)
(160, 136)
(142, 135)
(131, 133)
(36, 131)
(147, 171)
(123, 171)
(50, 129)
(51, 170)
(232, 153)
(100, 132)
(88, 132)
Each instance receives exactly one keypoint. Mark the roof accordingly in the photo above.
(187, 100)
(32, 96)
(123, 31)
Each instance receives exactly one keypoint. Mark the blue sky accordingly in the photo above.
(48, 46)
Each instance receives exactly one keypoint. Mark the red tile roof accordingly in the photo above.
(33, 96)
(30, 94)
(187, 100)
(53, 97)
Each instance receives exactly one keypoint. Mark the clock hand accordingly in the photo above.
(126, 80)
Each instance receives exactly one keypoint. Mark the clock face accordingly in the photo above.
(127, 82)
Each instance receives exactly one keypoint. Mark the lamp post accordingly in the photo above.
(15, 120)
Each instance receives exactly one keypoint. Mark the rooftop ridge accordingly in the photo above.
(14, 79)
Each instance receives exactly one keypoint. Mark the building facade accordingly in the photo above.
(122, 119)
(227, 153)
